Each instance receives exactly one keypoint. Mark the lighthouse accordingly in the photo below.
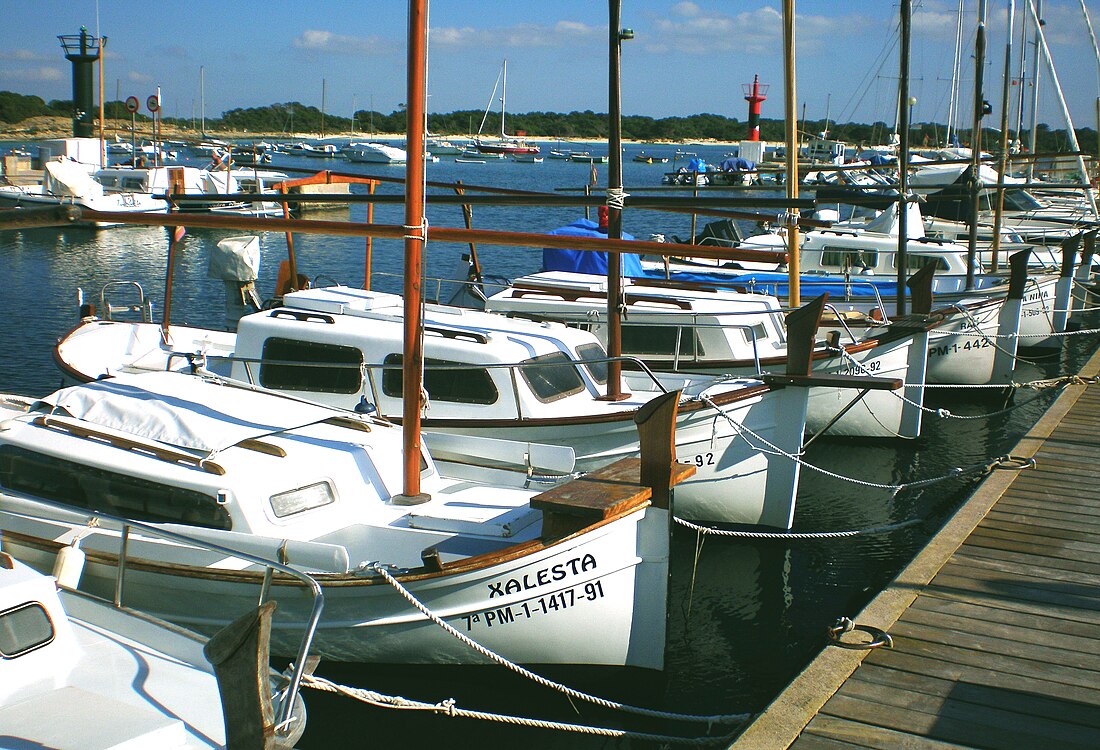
(755, 93)
(82, 50)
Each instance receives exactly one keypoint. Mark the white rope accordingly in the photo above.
(711, 531)
(448, 708)
(616, 198)
(775, 450)
(523, 671)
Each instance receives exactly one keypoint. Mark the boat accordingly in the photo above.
(69, 182)
(218, 179)
(527, 158)
(521, 381)
(81, 670)
(644, 158)
(671, 327)
(587, 157)
(444, 146)
(574, 575)
(503, 143)
(373, 152)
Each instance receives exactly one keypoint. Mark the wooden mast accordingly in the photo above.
(904, 109)
(415, 237)
(614, 204)
(790, 107)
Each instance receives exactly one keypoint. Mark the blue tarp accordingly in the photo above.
(697, 165)
(737, 164)
(585, 261)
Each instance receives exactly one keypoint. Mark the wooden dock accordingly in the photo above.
(995, 624)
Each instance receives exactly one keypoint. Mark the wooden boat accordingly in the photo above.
(487, 375)
(574, 575)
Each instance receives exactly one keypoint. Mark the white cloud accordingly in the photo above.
(43, 73)
(137, 77)
(24, 55)
(689, 29)
(342, 44)
(524, 35)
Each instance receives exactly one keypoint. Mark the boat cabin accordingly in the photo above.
(663, 323)
(342, 346)
(836, 251)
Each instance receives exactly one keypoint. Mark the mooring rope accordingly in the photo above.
(740, 429)
(545, 682)
(449, 708)
(711, 531)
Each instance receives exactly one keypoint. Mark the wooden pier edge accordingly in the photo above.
(781, 723)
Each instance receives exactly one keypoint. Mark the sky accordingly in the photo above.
(687, 56)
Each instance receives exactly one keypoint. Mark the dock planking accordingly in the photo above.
(996, 623)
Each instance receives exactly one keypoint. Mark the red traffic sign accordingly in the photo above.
(152, 103)
(131, 104)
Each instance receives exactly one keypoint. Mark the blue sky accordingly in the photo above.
(686, 57)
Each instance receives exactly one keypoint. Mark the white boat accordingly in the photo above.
(68, 182)
(575, 575)
(79, 671)
(375, 153)
(679, 328)
(520, 381)
(444, 146)
(192, 181)
(503, 144)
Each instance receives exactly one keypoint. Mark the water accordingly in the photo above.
(745, 616)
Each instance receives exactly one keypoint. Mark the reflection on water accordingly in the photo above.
(745, 615)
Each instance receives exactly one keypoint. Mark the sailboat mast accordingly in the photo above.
(1036, 9)
(202, 99)
(1006, 83)
(790, 106)
(503, 97)
(903, 154)
(415, 239)
(952, 107)
(976, 145)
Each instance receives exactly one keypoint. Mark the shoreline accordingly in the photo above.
(48, 128)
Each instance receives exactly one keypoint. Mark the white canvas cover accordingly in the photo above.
(183, 410)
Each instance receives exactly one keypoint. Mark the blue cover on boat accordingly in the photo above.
(587, 261)
(775, 283)
(876, 159)
(697, 165)
(737, 164)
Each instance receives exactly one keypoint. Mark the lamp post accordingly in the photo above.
(912, 103)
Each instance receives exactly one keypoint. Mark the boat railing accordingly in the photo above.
(270, 567)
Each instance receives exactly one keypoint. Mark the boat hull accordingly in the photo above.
(598, 597)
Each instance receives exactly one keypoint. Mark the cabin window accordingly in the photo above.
(324, 368)
(755, 333)
(915, 262)
(552, 376)
(848, 257)
(302, 499)
(469, 385)
(649, 339)
(131, 185)
(590, 354)
(23, 629)
(82, 486)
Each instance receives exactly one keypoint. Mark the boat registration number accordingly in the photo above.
(547, 604)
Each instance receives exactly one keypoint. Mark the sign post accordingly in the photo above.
(132, 108)
(153, 103)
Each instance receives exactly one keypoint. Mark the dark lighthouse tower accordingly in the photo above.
(82, 50)
(754, 94)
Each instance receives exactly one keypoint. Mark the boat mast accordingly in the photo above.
(976, 144)
(952, 107)
(998, 212)
(1073, 144)
(503, 96)
(903, 155)
(790, 107)
(1036, 9)
(415, 238)
(614, 202)
(202, 99)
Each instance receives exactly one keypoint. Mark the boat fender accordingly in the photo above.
(69, 565)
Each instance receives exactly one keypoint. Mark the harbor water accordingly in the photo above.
(745, 614)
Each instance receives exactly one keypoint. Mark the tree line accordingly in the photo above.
(294, 117)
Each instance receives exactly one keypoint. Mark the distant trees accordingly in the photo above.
(294, 117)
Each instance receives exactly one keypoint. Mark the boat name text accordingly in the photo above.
(543, 576)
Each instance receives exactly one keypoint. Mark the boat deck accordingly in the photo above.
(995, 624)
